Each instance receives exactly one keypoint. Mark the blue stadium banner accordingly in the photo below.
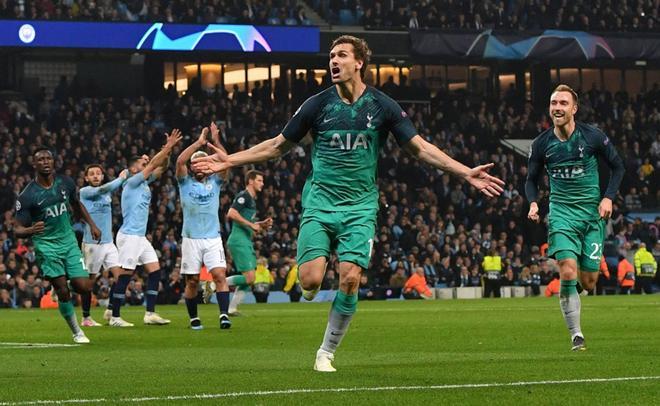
(543, 45)
(158, 36)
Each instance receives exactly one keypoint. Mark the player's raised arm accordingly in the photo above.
(184, 156)
(163, 155)
(215, 136)
(90, 192)
(534, 169)
(270, 149)
(477, 176)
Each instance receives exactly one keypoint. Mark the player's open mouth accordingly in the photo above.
(335, 71)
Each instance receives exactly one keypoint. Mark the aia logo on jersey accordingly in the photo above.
(349, 142)
(56, 210)
(571, 172)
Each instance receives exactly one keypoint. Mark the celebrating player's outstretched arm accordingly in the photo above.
(220, 161)
(477, 176)
(156, 165)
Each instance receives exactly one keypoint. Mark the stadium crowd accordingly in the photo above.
(594, 15)
(259, 12)
(430, 226)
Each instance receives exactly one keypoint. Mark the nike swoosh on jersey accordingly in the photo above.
(327, 120)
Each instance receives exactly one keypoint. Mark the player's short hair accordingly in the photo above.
(92, 166)
(252, 174)
(360, 50)
(40, 149)
(567, 88)
(133, 160)
(198, 154)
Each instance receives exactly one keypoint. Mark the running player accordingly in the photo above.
(97, 200)
(349, 122)
(242, 213)
(202, 243)
(42, 213)
(576, 226)
(134, 248)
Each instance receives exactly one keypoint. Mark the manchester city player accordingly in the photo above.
(576, 226)
(134, 247)
(349, 122)
(42, 213)
(202, 243)
(97, 199)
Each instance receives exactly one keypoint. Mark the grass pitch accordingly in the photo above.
(414, 352)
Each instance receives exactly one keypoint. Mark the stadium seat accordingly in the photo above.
(519, 291)
(346, 17)
(469, 293)
(444, 293)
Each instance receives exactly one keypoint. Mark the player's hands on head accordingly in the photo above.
(484, 182)
(213, 163)
(38, 227)
(174, 138)
(533, 212)
(605, 208)
(146, 158)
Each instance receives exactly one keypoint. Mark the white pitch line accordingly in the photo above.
(204, 396)
(7, 346)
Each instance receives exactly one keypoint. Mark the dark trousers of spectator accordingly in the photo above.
(260, 291)
(625, 290)
(491, 285)
(413, 294)
(295, 294)
(643, 283)
(600, 285)
(536, 290)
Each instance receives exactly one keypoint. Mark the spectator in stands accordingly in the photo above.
(463, 278)
(416, 287)
(365, 290)
(292, 286)
(398, 279)
(135, 293)
(264, 280)
(174, 288)
(330, 281)
(5, 299)
(509, 278)
(553, 287)
(476, 278)
(625, 276)
(645, 269)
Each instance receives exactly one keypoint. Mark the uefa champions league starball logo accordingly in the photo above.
(27, 33)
